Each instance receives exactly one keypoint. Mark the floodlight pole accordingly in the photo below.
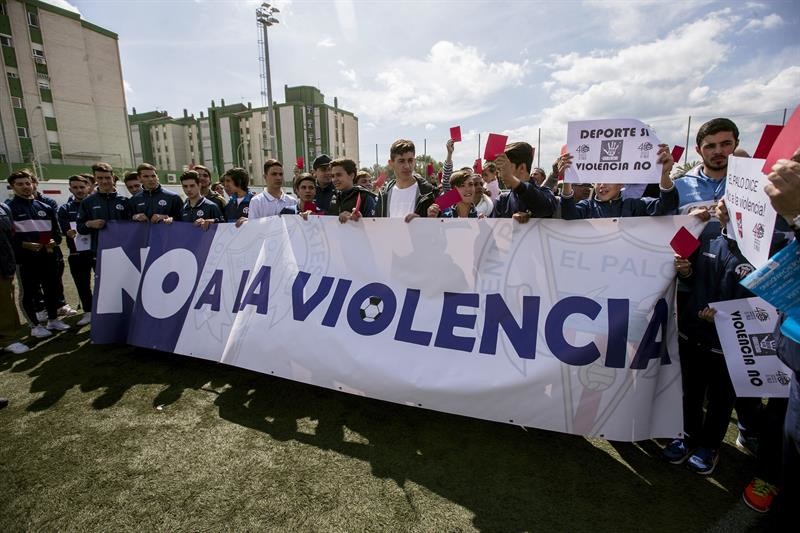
(265, 15)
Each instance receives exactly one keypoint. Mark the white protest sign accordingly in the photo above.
(612, 151)
(746, 332)
(82, 242)
(752, 216)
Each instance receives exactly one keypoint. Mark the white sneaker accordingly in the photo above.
(17, 347)
(40, 332)
(57, 325)
(85, 319)
(66, 310)
(41, 316)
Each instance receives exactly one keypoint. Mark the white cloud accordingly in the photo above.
(631, 20)
(350, 75)
(127, 86)
(430, 127)
(452, 82)
(767, 23)
(63, 4)
(346, 14)
(662, 82)
(327, 42)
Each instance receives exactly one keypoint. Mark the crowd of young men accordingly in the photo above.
(32, 228)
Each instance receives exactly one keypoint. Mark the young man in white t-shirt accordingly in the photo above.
(408, 194)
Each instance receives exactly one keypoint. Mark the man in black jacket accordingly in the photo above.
(407, 195)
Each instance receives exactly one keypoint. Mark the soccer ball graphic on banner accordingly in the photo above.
(371, 309)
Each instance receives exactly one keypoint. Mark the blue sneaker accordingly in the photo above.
(676, 451)
(703, 461)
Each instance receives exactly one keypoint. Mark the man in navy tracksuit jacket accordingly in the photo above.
(154, 203)
(713, 273)
(524, 197)
(36, 237)
(81, 258)
(102, 206)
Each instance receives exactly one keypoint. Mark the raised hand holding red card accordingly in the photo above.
(495, 145)
(787, 142)
(684, 243)
(455, 133)
(448, 199)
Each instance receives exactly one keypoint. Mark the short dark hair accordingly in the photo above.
(19, 174)
(102, 166)
(90, 177)
(130, 176)
(399, 147)
(79, 177)
(348, 165)
(269, 163)
(717, 125)
(239, 177)
(520, 153)
(460, 177)
(305, 176)
(190, 175)
(145, 166)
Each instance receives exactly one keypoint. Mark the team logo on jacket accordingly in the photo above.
(162, 203)
(199, 212)
(41, 213)
(119, 207)
(743, 270)
(245, 210)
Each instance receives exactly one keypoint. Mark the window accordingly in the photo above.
(22, 132)
(33, 19)
(12, 75)
(38, 56)
(44, 85)
(5, 40)
(38, 53)
(16, 102)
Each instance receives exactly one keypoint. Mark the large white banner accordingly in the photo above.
(752, 217)
(561, 325)
(746, 329)
(612, 151)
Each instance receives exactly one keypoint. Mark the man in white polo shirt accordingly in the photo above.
(272, 201)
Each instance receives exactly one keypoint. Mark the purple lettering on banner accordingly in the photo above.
(121, 244)
(154, 329)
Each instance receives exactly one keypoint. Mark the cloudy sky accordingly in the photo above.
(414, 68)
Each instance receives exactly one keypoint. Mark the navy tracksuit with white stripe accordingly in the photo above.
(35, 222)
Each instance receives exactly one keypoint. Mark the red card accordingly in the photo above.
(301, 162)
(429, 170)
(358, 204)
(455, 133)
(380, 181)
(495, 145)
(787, 142)
(477, 166)
(448, 199)
(684, 243)
(310, 206)
(677, 152)
(771, 132)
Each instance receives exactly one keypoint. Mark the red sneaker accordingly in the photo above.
(758, 495)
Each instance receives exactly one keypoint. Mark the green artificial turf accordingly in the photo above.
(114, 438)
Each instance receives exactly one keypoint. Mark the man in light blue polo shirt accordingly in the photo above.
(716, 140)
